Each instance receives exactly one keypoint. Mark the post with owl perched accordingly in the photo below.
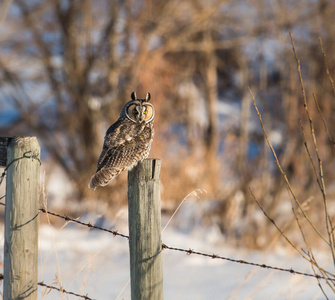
(145, 245)
(126, 145)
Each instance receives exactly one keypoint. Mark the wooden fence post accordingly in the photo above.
(21, 219)
(144, 214)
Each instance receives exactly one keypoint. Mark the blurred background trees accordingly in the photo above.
(68, 67)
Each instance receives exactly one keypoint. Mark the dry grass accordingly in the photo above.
(301, 216)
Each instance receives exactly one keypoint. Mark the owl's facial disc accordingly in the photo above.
(140, 112)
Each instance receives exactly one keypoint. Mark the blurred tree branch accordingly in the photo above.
(69, 66)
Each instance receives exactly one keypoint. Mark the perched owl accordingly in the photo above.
(127, 141)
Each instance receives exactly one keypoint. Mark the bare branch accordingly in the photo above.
(329, 225)
(284, 174)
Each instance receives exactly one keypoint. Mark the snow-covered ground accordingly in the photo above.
(96, 263)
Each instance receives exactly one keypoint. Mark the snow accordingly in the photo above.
(96, 263)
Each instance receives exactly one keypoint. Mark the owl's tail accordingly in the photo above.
(103, 176)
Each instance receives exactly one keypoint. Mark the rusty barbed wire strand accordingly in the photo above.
(59, 289)
(191, 251)
(89, 225)
(240, 261)
(62, 290)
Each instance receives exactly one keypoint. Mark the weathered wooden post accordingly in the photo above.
(21, 218)
(144, 214)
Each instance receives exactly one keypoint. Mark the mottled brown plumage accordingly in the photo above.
(127, 141)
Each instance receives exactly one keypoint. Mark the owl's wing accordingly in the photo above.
(120, 150)
(121, 141)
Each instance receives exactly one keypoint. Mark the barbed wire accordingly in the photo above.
(89, 225)
(164, 246)
(62, 290)
(191, 251)
(59, 289)
(28, 154)
(240, 261)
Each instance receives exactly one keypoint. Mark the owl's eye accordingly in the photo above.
(145, 112)
(135, 112)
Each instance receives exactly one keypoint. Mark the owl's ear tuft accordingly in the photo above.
(133, 96)
(148, 97)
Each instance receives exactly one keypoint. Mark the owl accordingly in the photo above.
(127, 141)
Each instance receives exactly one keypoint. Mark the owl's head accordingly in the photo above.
(139, 110)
